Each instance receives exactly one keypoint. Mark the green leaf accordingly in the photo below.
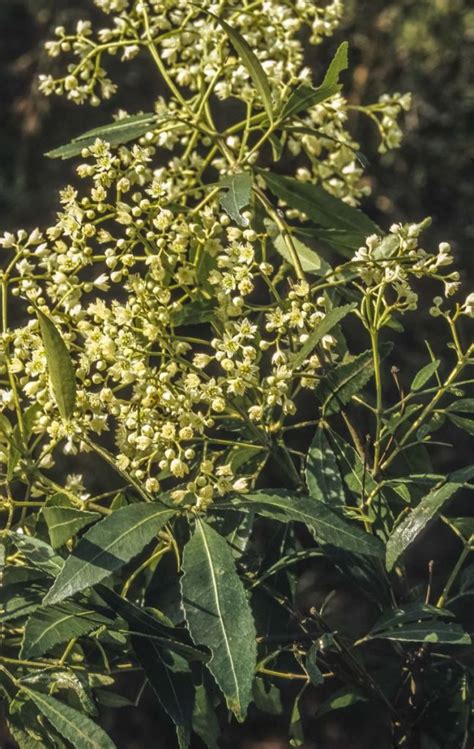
(25, 727)
(49, 626)
(329, 322)
(60, 369)
(311, 666)
(195, 313)
(424, 375)
(340, 240)
(409, 529)
(219, 616)
(340, 384)
(38, 553)
(107, 546)
(464, 405)
(321, 207)
(326, 525)
(296, 729)
(238, 191)
(464, 527)
(62, 679)
(339, 63)
(323, 477)
(408, 614)
(305, 96)
(116, 133)
(340, 700)
(205, 722)
(310, 261)
(351, 466)
(252, 64)
(144, 623)
(467, 425)
(432, 631)
(64, 521)
(74, 726)
(267, 697)
(21, 592)
(171, 679)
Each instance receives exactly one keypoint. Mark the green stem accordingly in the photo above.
(452, 578)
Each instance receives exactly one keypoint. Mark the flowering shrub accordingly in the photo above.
(212, 323)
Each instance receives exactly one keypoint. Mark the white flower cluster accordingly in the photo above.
(390, 262)
(118, 270)
(184, 332)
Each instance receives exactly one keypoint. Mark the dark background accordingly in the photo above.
(422, 46)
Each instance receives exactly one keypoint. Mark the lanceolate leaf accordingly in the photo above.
(64, 521)
(409, 529)
(332, 318)
(171, 679)
(74, 726)
(60, 369)
(38, 553)
(219, 616)
(21, 592)
(305, 96)
(426, 631)
(323, 477)
(145, 624)
(339, 63)
(321, 207)
(328, 527)
(346, 380)
(120, 131)
(425, 374)
(467, 425)
(49, 626)
(310, 261)
(107, 546)
(463, 405)
(251, 62)
(408, 614)
(238, 189)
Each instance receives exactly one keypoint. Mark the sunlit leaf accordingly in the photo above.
(116, 133)
(321, 207)
(219, 616)
(410, 528)
(322, 328)
(49, 626)
(64, 521)
(237, 191)
(251, 62)
(425, 374)
(60, 368)
(305, 96)
(328, 527)
(107, 546)
(74, 726)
